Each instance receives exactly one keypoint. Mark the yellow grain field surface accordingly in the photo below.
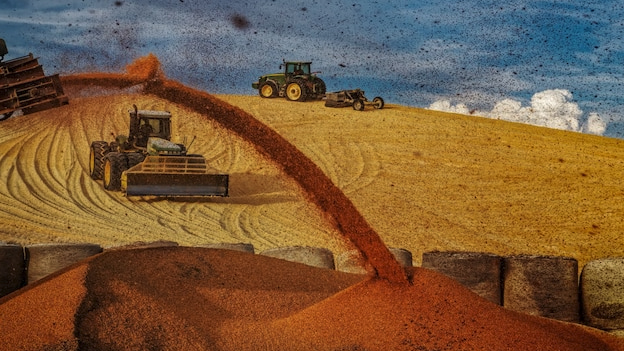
(429, 180)
(47, 194)
(424, 180)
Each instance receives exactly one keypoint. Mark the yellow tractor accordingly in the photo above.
(146, 162)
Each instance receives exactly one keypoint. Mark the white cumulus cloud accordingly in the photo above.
(446, 106)
(594, 125)
(553, 108)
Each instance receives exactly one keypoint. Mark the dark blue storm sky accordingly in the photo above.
(470, 54)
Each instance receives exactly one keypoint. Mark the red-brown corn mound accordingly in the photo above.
(181, 298)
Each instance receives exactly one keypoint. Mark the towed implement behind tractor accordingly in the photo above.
(146, 162)
(354, 98)
(24, 86)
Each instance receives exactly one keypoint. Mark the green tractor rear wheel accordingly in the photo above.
(296, 91)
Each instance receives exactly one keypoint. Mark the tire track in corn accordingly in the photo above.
(70, 201)
(35, 195)
(351, 166)
(47, 184)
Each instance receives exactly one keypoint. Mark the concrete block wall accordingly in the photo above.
(546, 286)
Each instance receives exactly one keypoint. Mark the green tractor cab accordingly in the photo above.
(297, 83)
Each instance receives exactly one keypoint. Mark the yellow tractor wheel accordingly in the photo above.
(99, 149)
(268, 90)
(115, 163)
(296, 91)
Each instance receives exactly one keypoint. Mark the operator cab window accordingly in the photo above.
(153, 123)
(298, 69)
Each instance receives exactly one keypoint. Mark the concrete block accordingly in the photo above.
(479, 272)
(545, 286)
(602, 293)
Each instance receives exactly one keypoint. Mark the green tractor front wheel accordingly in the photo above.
(99, 149)
(115, 163)
(268, 90)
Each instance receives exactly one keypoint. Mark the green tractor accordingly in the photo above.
(146, 162)
(296, 83)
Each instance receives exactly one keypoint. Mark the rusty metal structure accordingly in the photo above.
(24, 86)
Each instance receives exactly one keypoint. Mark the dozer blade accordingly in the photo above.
(174, 176)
